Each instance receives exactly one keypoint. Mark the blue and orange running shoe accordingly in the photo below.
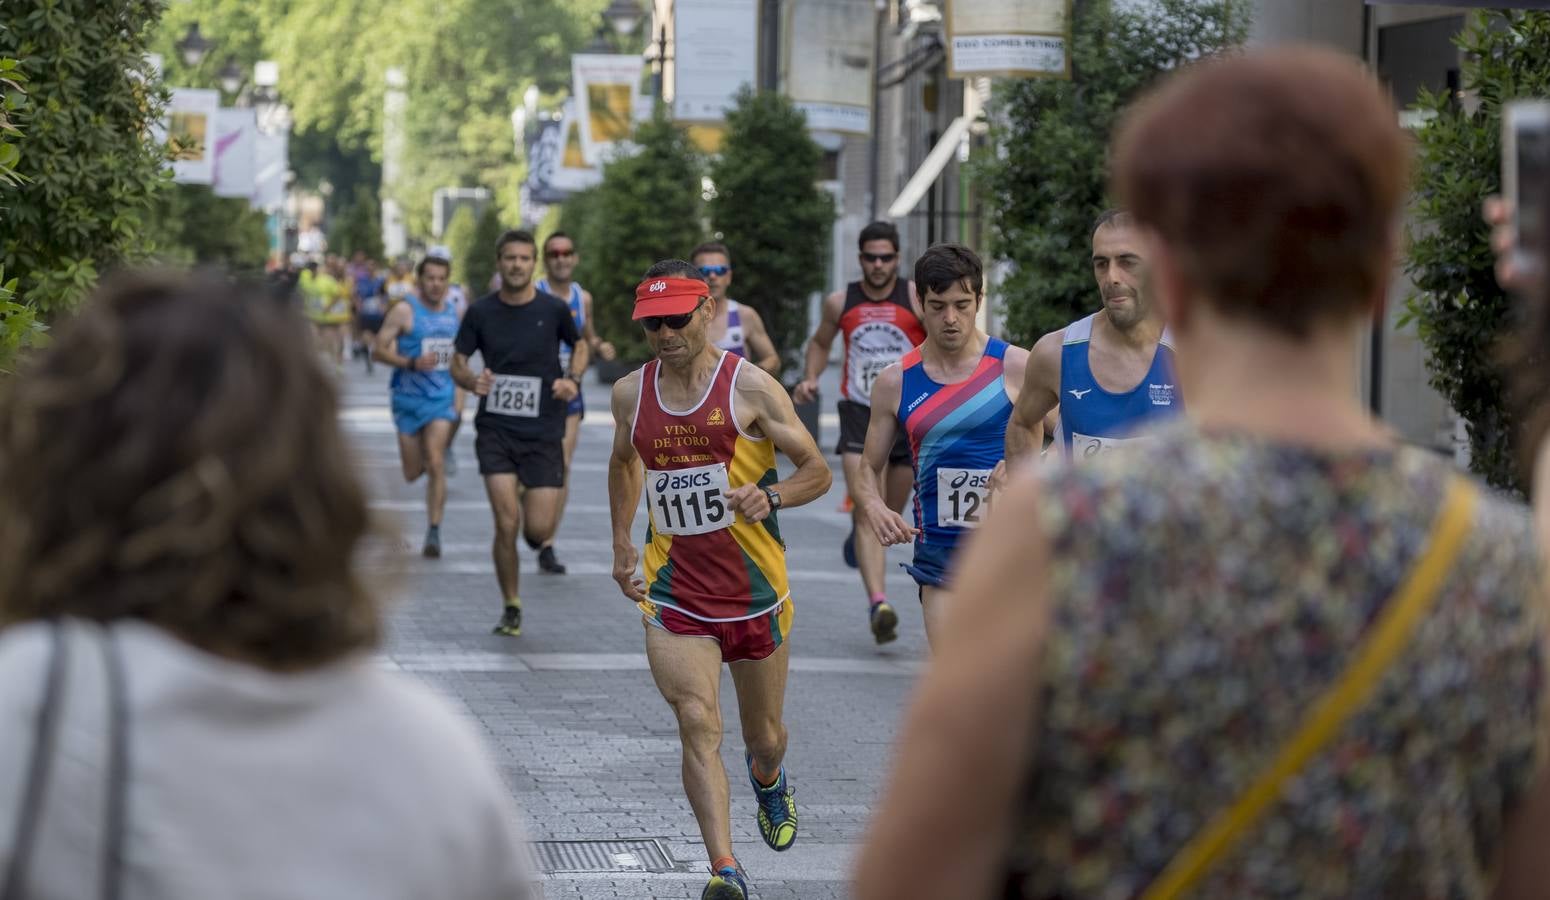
(777, 811)
(726, 883)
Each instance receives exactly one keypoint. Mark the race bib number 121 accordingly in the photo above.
(962, 497)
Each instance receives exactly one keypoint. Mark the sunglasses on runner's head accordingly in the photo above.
(677, 323)
(879, 257)
(714, 270)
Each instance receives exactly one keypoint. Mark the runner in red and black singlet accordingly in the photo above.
(879, 319)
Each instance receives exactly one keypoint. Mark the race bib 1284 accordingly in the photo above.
(514, 395)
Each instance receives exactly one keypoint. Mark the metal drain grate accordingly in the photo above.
(641, 855)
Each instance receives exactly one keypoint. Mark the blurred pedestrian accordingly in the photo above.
(191, 708)
(1279, 654)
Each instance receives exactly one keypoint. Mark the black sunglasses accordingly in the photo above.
(677, 323)
(879, 257)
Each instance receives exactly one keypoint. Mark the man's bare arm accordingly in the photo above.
(968, 736)
(818, 347)
(771, 413)
(761, 350)
(386, 350)
(625, 480)
(602, 348)
(866, 491)
(462, 375)
(1040, 393)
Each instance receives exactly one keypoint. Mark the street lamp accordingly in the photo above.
(194, 46)
(624, 15)
(230, 76)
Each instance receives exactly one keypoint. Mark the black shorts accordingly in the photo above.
(536, 463)
(371, 322)
(853, 421)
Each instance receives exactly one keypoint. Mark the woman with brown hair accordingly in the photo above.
(190, 709)
(1277, 654)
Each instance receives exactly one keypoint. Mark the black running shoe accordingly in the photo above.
(510, 624)
(548, 564)
(432, 548)
(849, 550)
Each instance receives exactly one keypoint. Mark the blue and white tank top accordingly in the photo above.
(578, 311)
(957, 434)
(430, 332)
(1093, 420)
(732, 341)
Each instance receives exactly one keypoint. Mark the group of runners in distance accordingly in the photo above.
(931, 408)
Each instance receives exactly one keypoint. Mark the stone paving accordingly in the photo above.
(587, 747)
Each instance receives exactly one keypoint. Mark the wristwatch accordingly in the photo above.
(774, 496)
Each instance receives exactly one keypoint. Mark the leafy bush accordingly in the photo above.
(648, 208)
(359, 226)
(189, 226)
(91, 165)
(459, 238)
(480, 254)
(1047, 183)
(774, 216)
(1459, 310)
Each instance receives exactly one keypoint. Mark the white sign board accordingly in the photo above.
(236, 139)
(605, 89)
(191, 116)
(1017, 38)
(828, 63)
(715, 53)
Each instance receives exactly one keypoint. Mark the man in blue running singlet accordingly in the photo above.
(560, 261)
(1109, 375)
(416, 340)
(952, 397)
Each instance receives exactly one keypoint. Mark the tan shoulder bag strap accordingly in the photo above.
(1389, 635)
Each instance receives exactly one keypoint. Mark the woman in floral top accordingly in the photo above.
(1136, 638)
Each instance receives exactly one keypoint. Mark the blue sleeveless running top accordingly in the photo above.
(577, 312)
(957, 434)
(732, 341)
(1092, 420)
(430, 332)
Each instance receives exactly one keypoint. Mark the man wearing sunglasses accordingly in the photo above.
(879, 318)
(697, 429)
(523, 394)
(737, 328)
(560, 261)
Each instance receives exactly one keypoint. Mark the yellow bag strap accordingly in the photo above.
(1388, 637)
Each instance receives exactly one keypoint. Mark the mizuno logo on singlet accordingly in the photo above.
(1080, 394)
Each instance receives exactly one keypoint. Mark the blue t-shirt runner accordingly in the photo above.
(578, 311)
(422, 397)
(957, 434)
(1093, 420)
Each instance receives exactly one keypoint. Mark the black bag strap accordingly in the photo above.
(116, 807)
(39, 765)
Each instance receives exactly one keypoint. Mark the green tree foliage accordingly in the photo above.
(13, 100)
(192, 226)
(93, 168)
(359, 226)
(648, 208)
(773, 215)
(459, 238)
(480, 255)
(1047, 183)
(1459, 310)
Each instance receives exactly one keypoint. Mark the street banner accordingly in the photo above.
(1011, 38)
(236, 137)
(715, 53)
(556, 165)
(829, 48)
(191, 125)
(271, 160)
(605, 88)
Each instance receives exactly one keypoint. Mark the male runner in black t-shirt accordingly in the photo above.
(523, 395)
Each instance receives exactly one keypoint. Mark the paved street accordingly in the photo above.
(587, 746)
